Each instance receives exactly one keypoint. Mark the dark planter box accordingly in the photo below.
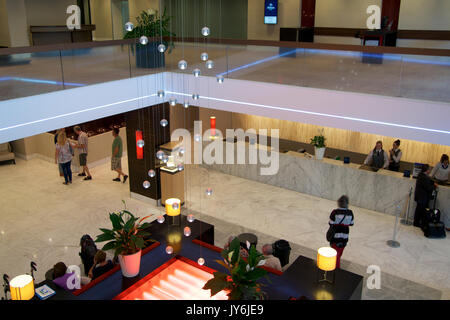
(148, 56)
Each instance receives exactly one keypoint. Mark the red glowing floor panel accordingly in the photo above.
(178, 279)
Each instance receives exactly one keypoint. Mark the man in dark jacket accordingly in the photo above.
(422, 194)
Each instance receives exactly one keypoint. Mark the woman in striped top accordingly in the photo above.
(341, 219)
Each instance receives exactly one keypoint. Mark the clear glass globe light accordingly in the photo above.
(165, 159)
(143, 40)
(140, 143)
(195, 96)
(196, 72)
(186, 104)
(201, 261)
(180, 167)
(160, 154)
(197, 137)
(161, 93)
(129, 26)
(220, 79)
(164, 122)
(182, 64)
(146, 184)
(161, 48)
(173, 101)
(169, 250)
(208, 191)
(190, 218)
(187, 231)
(205, 31)
(209, 64)
(151, 173)
(204, 56)
(160, 219)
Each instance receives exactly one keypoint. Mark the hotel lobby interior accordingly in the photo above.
(239, 131)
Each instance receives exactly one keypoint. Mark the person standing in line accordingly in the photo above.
(395, 155)
(116, 159)
(341, 219)
(377, 157)
(83, 147)
(441, 170)
(63, 156)
(422, 194)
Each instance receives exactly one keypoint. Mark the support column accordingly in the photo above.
(391, 9)
(148, 121)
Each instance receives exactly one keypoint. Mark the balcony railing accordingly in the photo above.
(401, 72)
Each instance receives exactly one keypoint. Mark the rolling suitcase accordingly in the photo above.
(433, 227)
(434, 230)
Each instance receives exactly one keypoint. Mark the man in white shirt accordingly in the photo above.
(377, 158)
(83, 148)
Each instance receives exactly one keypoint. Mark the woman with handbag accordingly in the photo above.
(340, 220)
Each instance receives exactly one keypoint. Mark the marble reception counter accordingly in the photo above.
(383, 191)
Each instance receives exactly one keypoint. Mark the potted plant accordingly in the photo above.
(319, 145)
(151, 25)
(127, 238)
(241, 282)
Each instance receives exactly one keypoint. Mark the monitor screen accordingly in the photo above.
(271, 12)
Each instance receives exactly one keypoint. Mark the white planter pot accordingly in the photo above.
(130, 264)
(319, 152)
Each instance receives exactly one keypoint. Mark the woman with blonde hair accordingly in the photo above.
(63, 156)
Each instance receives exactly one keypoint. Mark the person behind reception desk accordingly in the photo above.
(341, 218)
(441, 170)
(422, 194)
(395, 155)
(116, 158)
(377, 158)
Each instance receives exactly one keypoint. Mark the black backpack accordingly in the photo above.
(88, 251)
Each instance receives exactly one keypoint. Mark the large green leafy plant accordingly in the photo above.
(319, 140)
(243, 274)
(127, 235)
(150, 24)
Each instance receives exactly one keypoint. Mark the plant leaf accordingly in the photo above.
(216, 284)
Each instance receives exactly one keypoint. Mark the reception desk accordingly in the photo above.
(381, 191)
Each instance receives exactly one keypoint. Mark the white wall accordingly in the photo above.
(101, 17)
(343, 13)
(424, 15)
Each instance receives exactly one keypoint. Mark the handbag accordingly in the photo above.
(332, 231)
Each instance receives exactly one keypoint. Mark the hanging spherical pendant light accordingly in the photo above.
(182, 64)
(161, 93)
(195, 96)
(146, 184)
(190, 218)
(160, 219)
(205, 31)
(220, 79)
(161, 48)
(201, 261)
(160, 154)
(186, 104)
(129, 26)
(196, 72)
(209, 191)
(173, 101)
(209, 64)
(204, 56)
(164, 122)
(143, 40)
(151, 173)
(169, 250)
(187, 231)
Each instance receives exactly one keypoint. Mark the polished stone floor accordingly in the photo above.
(42, 220)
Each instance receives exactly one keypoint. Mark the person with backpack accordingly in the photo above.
(340, 221)
(422, 195)
(87, 253)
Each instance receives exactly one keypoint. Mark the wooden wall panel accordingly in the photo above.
(413, 151)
